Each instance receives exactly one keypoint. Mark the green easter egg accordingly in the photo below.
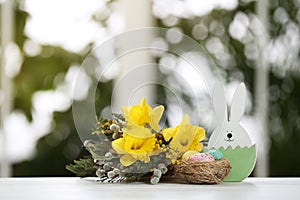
(218, 155)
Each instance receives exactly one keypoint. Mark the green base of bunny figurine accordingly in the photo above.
(242, 161)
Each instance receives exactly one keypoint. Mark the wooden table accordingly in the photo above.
(89, 189)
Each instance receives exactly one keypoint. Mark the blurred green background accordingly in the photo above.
(226, 30)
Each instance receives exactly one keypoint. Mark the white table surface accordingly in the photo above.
(89, 189)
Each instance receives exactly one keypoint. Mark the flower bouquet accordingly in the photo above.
(133, 147)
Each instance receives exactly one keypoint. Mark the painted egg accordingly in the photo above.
(218, 155)
(203, 157)
(188, 154)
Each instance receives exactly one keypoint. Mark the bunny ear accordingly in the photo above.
(238, 103)
(219, 103)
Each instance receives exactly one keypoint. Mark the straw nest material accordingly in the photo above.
(202, 172)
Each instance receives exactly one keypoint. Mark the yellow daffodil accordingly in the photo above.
(136, 148)
(185, 136)
(143, 115)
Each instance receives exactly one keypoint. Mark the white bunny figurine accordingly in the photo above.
(229, 132)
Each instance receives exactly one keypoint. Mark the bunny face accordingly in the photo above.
(229, 131)
(230, 135)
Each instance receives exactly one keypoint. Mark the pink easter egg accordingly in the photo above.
(202, 157)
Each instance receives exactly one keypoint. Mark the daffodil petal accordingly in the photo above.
(185, 120)
(142, 157)
(127, 160)
(118, 145)
(184, 138)
(138, 114)
(155, 116)
(143, 102)
(135, 145)
(143, 115)
(125, 111)
(138, 132)
(168, 133)
(200, 147)
(201, 132)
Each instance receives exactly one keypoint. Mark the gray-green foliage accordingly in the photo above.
(83, 167)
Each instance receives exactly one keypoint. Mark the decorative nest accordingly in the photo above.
(202, 172)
